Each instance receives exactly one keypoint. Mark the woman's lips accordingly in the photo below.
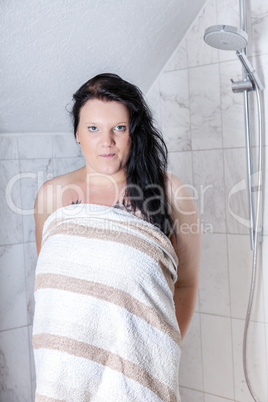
(107, 155)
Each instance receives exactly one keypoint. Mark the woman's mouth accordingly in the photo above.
(107, 155)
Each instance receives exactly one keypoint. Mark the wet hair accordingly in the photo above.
(147, 161)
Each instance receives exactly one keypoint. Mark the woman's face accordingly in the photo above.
(103, 133)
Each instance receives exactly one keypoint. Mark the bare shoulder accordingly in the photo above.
(55, 193)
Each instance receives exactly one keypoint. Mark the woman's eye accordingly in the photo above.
(92, 128)
(120, 128)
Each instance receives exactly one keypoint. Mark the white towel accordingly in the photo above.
(105, 327)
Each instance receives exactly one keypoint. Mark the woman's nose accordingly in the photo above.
(107, 137)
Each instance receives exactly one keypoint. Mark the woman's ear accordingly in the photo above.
(77, 137)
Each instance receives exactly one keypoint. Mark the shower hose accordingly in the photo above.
(257, 244)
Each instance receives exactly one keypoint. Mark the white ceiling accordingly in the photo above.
(51, 47)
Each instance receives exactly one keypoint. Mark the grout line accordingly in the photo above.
(14, 328)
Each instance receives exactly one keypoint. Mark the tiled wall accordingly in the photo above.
(203, 124)
(26, 161)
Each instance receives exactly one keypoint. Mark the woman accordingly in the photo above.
(148, 247)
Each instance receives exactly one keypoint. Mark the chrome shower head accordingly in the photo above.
(226, 37)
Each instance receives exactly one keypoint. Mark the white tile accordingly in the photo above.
(191, 359)
(240, 271)
(15, 379)
(198, 52)
(232, 106)
(178, 60)
(35, 146)
(214, 398)
(214, 281)
(205, 107)
(228, 14)
(265, 216)
(13, 311)
(265, 276)
(177, 139)
(236, 191)
(260, 63)
(190, 395)
(32, 363)
(65, 145)
(8, 147)
(217, 355)
(174, 93)
(153, 101)
(66, 165)
(34, 172)
(256, 361)
(180, 164)
(259, 14)
(10, 199)
(30, 259)
(208, 182)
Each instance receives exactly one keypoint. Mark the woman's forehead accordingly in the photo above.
(109, 110)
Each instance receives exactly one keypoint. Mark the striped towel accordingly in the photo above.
(105, 327)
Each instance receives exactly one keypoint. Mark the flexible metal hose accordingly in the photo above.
(257, 245)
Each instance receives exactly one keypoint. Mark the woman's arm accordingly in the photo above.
(187, 244)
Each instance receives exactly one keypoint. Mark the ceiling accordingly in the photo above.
(51, 47)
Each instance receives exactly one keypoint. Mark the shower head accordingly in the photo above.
(226, 37)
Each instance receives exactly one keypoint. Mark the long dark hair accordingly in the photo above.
(147, 161)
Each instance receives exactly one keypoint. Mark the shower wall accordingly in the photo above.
(26, 161)
(202, 121)
(203, 124)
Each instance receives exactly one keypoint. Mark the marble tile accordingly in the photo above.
(198, 52)
(265, 215)
(10, 198)
(34, 173)
(259, 15)
(177, 139)
(180, 164)
(190, 395)
(256, 361)
(205, 107)
(214, 280)
(217, 356)
(232, 106)
(8, 147)
(64, 145)
(66, 165)
(214, 398)
(260, 64)
(191, 360)
(153, 100)
(236, 191)
(228, 14)
(15, 379)
(30, 260)
(13, 311)
(178, 60)
(174, 94)
(32, 364)
(240, 270)
(264, 261)
(35, 146)
(208, 182)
